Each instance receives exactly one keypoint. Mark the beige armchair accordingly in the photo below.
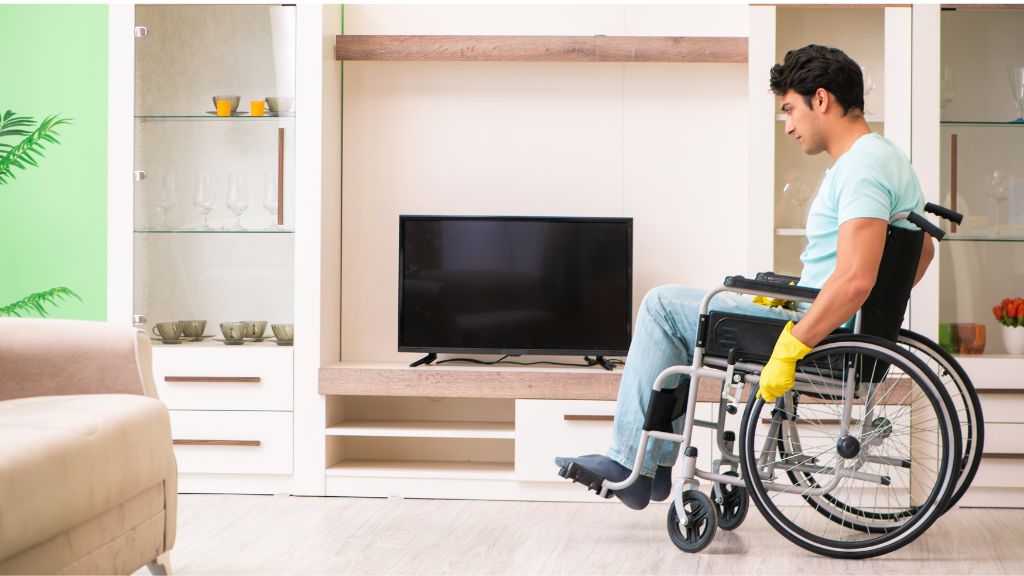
(88, 481)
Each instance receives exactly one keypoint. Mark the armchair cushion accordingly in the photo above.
(66, 460)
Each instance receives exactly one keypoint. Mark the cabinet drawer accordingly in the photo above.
(211, 378)
(549, 428)
(226, 442)
(1002, 405)
(1004, 439)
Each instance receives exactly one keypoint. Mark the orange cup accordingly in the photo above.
(256, 107)
(223, 108)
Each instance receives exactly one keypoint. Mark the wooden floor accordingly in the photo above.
(221, 534)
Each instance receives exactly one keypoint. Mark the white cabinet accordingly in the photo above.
(784, 180)
(964, 136)
(206, 223)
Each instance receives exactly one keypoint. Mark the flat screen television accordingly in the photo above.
(515, 285)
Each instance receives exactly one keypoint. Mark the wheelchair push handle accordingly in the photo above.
(943, 212)
(923, 223)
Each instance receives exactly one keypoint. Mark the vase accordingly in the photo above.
(1013, 339)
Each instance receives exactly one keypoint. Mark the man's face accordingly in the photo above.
(803, 123)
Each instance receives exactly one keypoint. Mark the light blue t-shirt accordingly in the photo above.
(873, 179)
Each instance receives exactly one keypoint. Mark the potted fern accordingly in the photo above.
(29, 142)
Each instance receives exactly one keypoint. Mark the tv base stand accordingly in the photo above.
(599, 361)
(425, 360)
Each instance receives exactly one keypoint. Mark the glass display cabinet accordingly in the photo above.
(214, 233)
(797, 175)
(981, 90)
(214, 195)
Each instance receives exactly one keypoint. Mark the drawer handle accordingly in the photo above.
(254, 379)
(999, 391)
(588, 417)
(1002, 456)
(216, 442)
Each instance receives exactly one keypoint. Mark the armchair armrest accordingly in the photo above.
(43, 357)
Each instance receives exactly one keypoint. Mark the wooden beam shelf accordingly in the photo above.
(388, 379)
(541, 48)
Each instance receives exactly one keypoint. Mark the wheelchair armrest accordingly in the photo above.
(740, 284)
(777, 278)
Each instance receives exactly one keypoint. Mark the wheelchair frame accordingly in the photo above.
(735, 376)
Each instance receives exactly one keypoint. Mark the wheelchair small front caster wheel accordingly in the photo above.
(701, 522)
(733, 508)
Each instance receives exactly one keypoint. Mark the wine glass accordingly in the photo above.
(203, 199)
(166, 198)
(237, 199)
(946, 87)
(999, 191)
(869, 86)
(797, 192)
(1016, 76)
(270, 197)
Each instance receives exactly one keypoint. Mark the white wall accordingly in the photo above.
(663, 143)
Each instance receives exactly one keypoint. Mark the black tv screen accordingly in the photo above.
(515, 285)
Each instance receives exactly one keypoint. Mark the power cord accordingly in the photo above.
(587, 362)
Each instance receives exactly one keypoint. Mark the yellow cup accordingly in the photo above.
(223, 108)
(256, 107)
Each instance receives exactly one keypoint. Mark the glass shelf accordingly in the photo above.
(1005, 124)
(871, 119)
(290, 116)
(280, 230)
(983, 238)
(790, 232)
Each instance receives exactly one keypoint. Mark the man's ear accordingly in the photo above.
(821, 100)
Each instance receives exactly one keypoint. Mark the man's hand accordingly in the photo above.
(778, 374)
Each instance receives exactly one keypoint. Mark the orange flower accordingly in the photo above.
(998, 311)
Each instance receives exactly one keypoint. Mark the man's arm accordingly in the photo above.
(858, 254)
(927, 253)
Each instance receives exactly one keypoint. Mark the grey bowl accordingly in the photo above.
(230, 98)
(283, 332)
(280, 103)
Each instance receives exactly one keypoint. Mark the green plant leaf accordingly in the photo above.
(39, 301)
(31, 147)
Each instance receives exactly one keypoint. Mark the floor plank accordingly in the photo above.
(228, 534)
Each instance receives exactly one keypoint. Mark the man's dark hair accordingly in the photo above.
(806, 69)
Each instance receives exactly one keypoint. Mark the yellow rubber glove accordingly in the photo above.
(777, 376)
(765, 301)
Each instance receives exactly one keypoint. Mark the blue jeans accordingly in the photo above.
(663, 336)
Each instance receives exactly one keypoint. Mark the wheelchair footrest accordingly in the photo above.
(577, 473)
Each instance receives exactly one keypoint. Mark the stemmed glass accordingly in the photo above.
(1016, 76)
(166, 198)
(270, 198)
(946, 87)
(798, 192)
(237, 199)
(869, 86)
(1000, 192)
(203, 199)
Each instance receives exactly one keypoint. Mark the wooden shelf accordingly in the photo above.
(541, 48)
(422, 469)
(387, 379)
(423, 429)
(522, 382)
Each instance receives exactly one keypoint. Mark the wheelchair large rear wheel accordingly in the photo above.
(872, 489)
(965, 402)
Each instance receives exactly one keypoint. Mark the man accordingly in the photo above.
(821, 93)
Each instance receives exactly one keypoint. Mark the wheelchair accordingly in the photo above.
(880, 435)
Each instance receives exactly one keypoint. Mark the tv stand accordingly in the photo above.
(425, 360)
(599, 361)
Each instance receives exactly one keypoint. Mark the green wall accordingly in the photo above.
(53, 217)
